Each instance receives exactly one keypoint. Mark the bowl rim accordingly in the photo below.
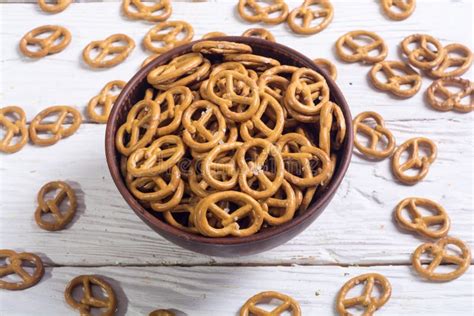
(113, 165)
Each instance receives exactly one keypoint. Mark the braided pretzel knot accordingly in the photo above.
(324, 11)
(349, 50)
(461, 62)
(439, 255)
(15, 127)
(52, 206)
(395, 82)
(414, 161)
(366, 300)
(259, 33)
(88, 302)
(442, 99)
(327, 66)
(59, 6)
(14, 263)
(46, 45)
(109, 54)
(288, 304)
(252, 11)
(169, 39)
(405, 8)
(105, 100)
(138, 9)
(375, 135)
(419, 223)
(423, 57)
(248, 207)
(221, 47)
(55, 130)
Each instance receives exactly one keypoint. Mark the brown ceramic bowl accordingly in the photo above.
(226, 246)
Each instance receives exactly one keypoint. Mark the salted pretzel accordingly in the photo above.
(422, 164)
(395, 81)
(56, 7)
(14, 263)
(256, 62)
(458, 57)
(323, 13)
(88, 301)
(331, 118)
(52, 206)
(368, 301)
(431, 226)
(283, 202)
(327, 67)
(213, 34)
(212, 167)
(198, 186)
(156, 188)
(159, 11)
(178, 33)
(170, 201)
(259, 32)
(351, 47)
(377, 135)
(423, 56)
(162, 312)
(221, 47)
(57, 40)
(109, 53)
(403, 8)
(275, 80)
(13, 122)
(439, 254)
(105, 99)
(255, 11)
(56, 130)
(442, 98)
(288, 305)
(169, 216)
(247, 208)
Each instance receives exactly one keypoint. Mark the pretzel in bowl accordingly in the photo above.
(13, 122)
(288, 305)
(57, 39)
(213, 34)
(451, 93)
(162, 312)
(300, 20)
(376, 135)
(221, 47)
(395, 82)
(14, 263)
(259, 33)
(255, 11)
(177, 33)
(398, 9)
(457, 62)
(358, 46)
(55, 7)
(159, 11)
(105, 99)
(326, 66)
(107, 53)
(428, 53)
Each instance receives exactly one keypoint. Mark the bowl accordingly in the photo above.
(226, 246)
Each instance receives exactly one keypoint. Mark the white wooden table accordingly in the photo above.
(354, 235)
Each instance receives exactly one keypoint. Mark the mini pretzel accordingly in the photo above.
(211, 167)
(327, 66)
(88, 301)
(252, 11)
(46, 45)
(442, 99)
(170, 201)
(54, 130)
(404, 8)
(283, 201)
(288, 305)
(14, 264)
(395, 82)
(138, 9)
(105, 100)
(331, 112)
(414, 161)
(162, 312)
(274, 81)
(109, 53)
(419, 223)
(13, 122)
(157, 188)
(197, 184)
(248, 207)
(259, 33)
(57, 7)
(324, 11)
(256, 62)
(221, 47)
(179, 33)
(437, 251)
(423, 57)
(60, 218)
(375, 134)
(461, 62)
(368, 302)
(213, 34)
(349, 50)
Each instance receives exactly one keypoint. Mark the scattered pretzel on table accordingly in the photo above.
(441, 97)
(300, 20)
(55, 7)
(162, 312)
(46, 44)
(423, 56)
(288, 305)
(395, 82)
(14, 263)
(109, 54)
(13, 121)
(398, 9)
(158, 11)
(178, 33)
(263, 11)
(351, 47)
(259, 33)
(458, 57)
(104, 99)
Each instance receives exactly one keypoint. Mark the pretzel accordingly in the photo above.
(461, 62)
(180, 209)
(252, 11)
(256, 62)
(88, 301)
(248, 207)
(405, 8)
(55, 7)
(439, 254)
(423, 57)
(370, 303)
(284, 201)
(54, 130)
(221, 47)
(395, 82)
(157, 188)
(143, 115)
(259, 33)
(274, 82)
(351, 51)
(197, 184)
(13, 122)
(13, 264)
(442, 99)
(211, 168)
(168, 40)
(159, 11)
(419, 223)
(162, 312)
(288, 304)
(327, 67)
(58, 40)
(170, 201)
(375, 134)
(105, 100)
(213, 34)
(414, 161)
(53, 206)
(324, 11)
(329, 111)
(109, 54)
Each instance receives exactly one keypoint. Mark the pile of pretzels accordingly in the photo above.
(220, 145)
